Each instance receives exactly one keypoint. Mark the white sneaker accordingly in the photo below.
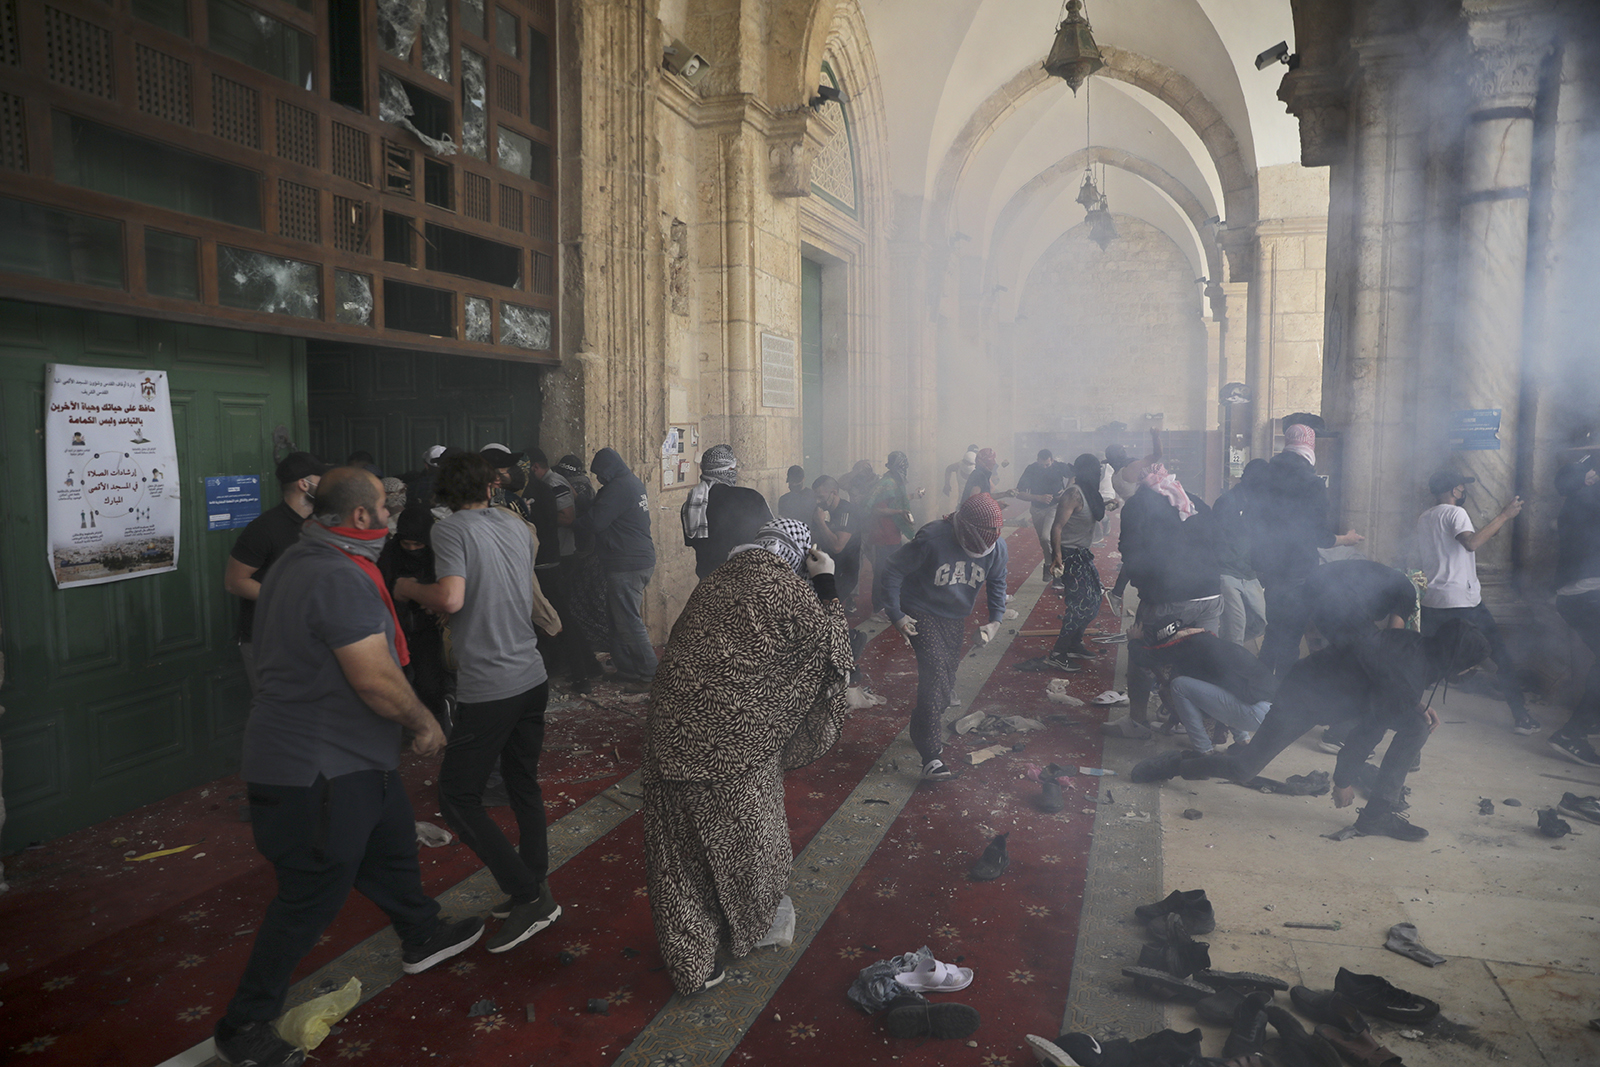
(1128, 727)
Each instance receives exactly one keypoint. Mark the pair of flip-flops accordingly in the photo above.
(1110, 697)
(931, 976)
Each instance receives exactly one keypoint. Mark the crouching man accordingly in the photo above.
(1379, 683)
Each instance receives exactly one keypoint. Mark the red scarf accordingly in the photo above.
(371, 569)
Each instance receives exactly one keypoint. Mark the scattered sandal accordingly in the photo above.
(1109, 697)
(931, 976)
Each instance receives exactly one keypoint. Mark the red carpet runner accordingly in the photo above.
(118, 962)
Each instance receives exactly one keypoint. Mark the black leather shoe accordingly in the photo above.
(1243, 981)
(994, 861)
(1166, 986)
(1050, 798)
(1381, 819)
(1182, 958)
(1376, 996)
(1297, 1046)
(1166, 1048)
(1178, 901)
(1221, 1008)
(1249, 1033)
(1329, 1006)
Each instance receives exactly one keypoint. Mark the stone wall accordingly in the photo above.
(1109, 336)
(1285, 368)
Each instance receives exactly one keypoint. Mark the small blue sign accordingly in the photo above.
(232, 500)
(1475, 430)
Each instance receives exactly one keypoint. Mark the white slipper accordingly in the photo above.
(1110, 696)
(931, 976)
(1049, 1053)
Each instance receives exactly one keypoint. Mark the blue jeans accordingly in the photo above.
(1193, 698)
(1244, 609)
(630, 647)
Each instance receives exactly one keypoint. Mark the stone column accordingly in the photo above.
(1372, 318)
(1505, 55)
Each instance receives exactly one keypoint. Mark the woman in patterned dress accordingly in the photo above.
(752, 683)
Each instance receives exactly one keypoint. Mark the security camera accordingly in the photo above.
(679, 58)
(1278, 53)
(826, 93)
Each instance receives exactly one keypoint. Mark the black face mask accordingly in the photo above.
(516, 481)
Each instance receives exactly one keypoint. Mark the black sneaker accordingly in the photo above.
(1381, 820)
(256, 1045)
(1582, 807)
(452, 939)
(1062, 663)
(524, 921)
(1576, 749)
(1525, 724)
(1374, 995)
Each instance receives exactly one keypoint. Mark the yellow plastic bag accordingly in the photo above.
(307, 1025)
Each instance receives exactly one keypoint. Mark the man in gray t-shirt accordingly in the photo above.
(483, 560)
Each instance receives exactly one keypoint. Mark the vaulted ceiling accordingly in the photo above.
(1180, 118)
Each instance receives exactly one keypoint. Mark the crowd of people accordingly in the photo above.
(432, 609)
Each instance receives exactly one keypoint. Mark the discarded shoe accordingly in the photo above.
(1220, 1008)
(1050, 798)
(1380, 819)
(1330, 1007)
(908, 1017)
(1576, 749)
(1052, 1055)
(1249, 1033)
(1109, 697)
(1243, 981)
(1182, 958)
(1191, 904)
(1582, 807)
(1164, 986)
(994, 861)
(931, 976)
(1315, 784)
(1128, 727)
(1403, 939)
(1157, 768)
(1552, 825)
(1375, 995)
(1166, 1048)
(1197, 918)
(1298, 1045)
(1361, 1049)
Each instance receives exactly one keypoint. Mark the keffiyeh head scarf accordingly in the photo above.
(788, 539)
(898, 465)
(987, 460)
(1166, 483)
(718, 465)
(978, 521)
(1302, 441)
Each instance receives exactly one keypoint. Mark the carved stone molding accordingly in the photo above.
(794, 140)
(1239, 245)
(1507, 45)
(1320, 102)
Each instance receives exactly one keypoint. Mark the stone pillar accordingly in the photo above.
(1497, 165)
(1372, 322)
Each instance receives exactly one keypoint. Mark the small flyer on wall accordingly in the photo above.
(111, 468)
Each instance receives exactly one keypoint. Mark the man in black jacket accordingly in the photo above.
(1377, 681)
(1172, 561)
(1208, 677)
(1292, 522)
(619, 520)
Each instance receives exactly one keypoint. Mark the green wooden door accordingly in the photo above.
(119, 694)
(811, 403)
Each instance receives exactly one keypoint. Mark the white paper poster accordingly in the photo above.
(111, 468)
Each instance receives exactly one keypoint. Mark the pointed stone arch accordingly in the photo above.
(1240, 195)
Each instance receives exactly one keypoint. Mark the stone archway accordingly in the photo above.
(1240, 197)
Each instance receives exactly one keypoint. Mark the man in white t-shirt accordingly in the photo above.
(1446, 543)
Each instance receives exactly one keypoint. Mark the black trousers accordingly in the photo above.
(1288, 615)
(508, 733)
(1505, 670)
(569, 650)
(1286, 723)
(356, 831)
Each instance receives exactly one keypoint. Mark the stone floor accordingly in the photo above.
(1516, 914)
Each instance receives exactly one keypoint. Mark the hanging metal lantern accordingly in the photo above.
(1088, 195)
(1102, 230)
(1074, 56)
